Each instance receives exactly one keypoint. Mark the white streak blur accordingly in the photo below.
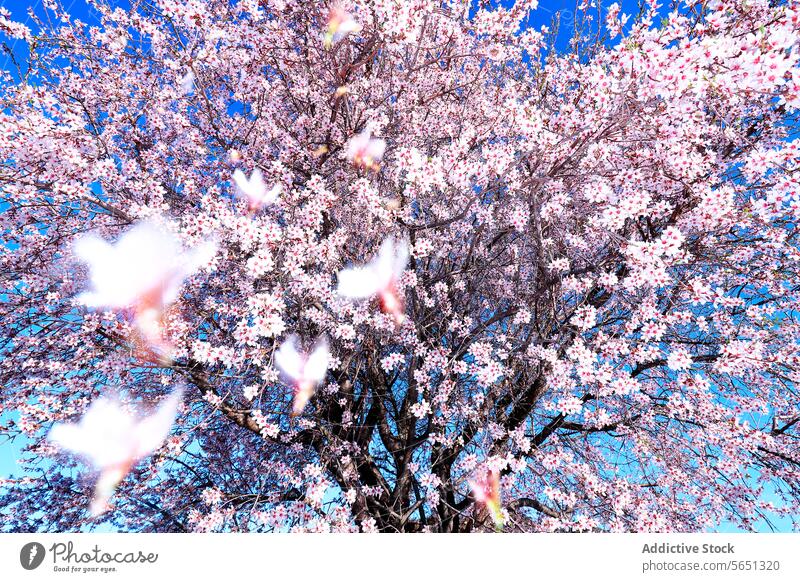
(146, 265)
(377, 275)
(305, 371)
(112, 439)
(254, 190)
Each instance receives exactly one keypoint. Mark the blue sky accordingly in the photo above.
(548, 9)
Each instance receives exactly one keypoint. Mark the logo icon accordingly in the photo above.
(31, 555)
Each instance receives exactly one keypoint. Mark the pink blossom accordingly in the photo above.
(679, 359)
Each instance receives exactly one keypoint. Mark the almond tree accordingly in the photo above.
(599, 308)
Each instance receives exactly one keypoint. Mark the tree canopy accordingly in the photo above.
(586, 318)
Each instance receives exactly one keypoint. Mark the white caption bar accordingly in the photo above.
(120, 557)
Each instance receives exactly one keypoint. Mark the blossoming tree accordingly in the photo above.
(585, 317)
